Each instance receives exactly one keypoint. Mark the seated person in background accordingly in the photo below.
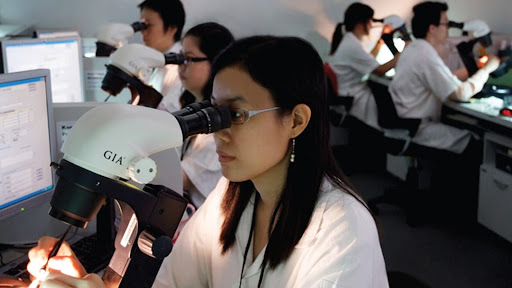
(199, 162)
(164, 20)
(284, 216)
(351, 62)
(422, 84)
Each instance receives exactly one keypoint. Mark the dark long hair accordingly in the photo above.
(212, 39)
(355, 13)
(292, 71)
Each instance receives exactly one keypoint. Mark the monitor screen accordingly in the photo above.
(27, 141)
(62, 56)
(56, 33)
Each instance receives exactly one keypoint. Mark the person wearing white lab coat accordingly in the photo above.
(420, 86)
(164, 20)
(352, 63)
(283, 204)
(167, 82)
(355, 262)
(201, 169)
(422, 83)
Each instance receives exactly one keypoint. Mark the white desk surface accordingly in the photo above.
(487, 109)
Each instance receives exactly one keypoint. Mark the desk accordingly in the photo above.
(481, 113)
(495, 187)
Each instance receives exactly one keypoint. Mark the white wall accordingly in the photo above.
(310, 19)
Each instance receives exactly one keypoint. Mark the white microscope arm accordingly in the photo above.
(138, 60)
(477, 27)
(115, 140)
(115, 34)
(393, 21)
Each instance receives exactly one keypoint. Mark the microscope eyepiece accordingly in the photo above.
(174, 58)
(192, 108)
(453, 24)
(139, 26)
(205, 121)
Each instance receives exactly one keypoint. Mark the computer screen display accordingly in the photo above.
(27, 141)
(62, 56)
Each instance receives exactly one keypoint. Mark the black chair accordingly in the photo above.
(396, 139)
(398, 279)
(339, 106)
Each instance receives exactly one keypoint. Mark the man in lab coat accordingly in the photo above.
(164, 20)
(421, 84)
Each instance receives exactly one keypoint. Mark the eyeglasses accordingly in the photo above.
(240, 115)
(447, 24)
(189, 60)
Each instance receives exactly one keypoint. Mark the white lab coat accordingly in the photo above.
(166, 80)
(201, 163)
(420, 86)
(352, 64)
(340, 248)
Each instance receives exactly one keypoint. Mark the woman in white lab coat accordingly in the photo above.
(352, 63)
(284, 216)
(200, 166)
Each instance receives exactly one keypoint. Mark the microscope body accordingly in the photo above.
(107, 146)
(114, 35)
(132, 66)
(397, 25)
(480, 33)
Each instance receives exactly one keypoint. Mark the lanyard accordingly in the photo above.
(250, 237)
(186, 145)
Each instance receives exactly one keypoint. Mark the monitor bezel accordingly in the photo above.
(44, 197)
(17, 41)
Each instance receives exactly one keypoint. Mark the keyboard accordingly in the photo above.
(91, 254)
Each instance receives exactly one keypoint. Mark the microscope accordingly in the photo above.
(481, 33)
(113, 36)
(109, 145)
(398, 28)
(131, 67)
(505, 54)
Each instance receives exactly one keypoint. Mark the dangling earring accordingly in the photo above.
(292, 157)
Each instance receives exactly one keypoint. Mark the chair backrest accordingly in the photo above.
(331, 76)
(339, 106)
(398, 132)
(386, 111)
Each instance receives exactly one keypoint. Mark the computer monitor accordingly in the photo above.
(62, 56)
(27, 141)
(56, 33)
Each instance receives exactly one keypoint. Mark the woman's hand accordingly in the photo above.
(64, 262)
(58, 280)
